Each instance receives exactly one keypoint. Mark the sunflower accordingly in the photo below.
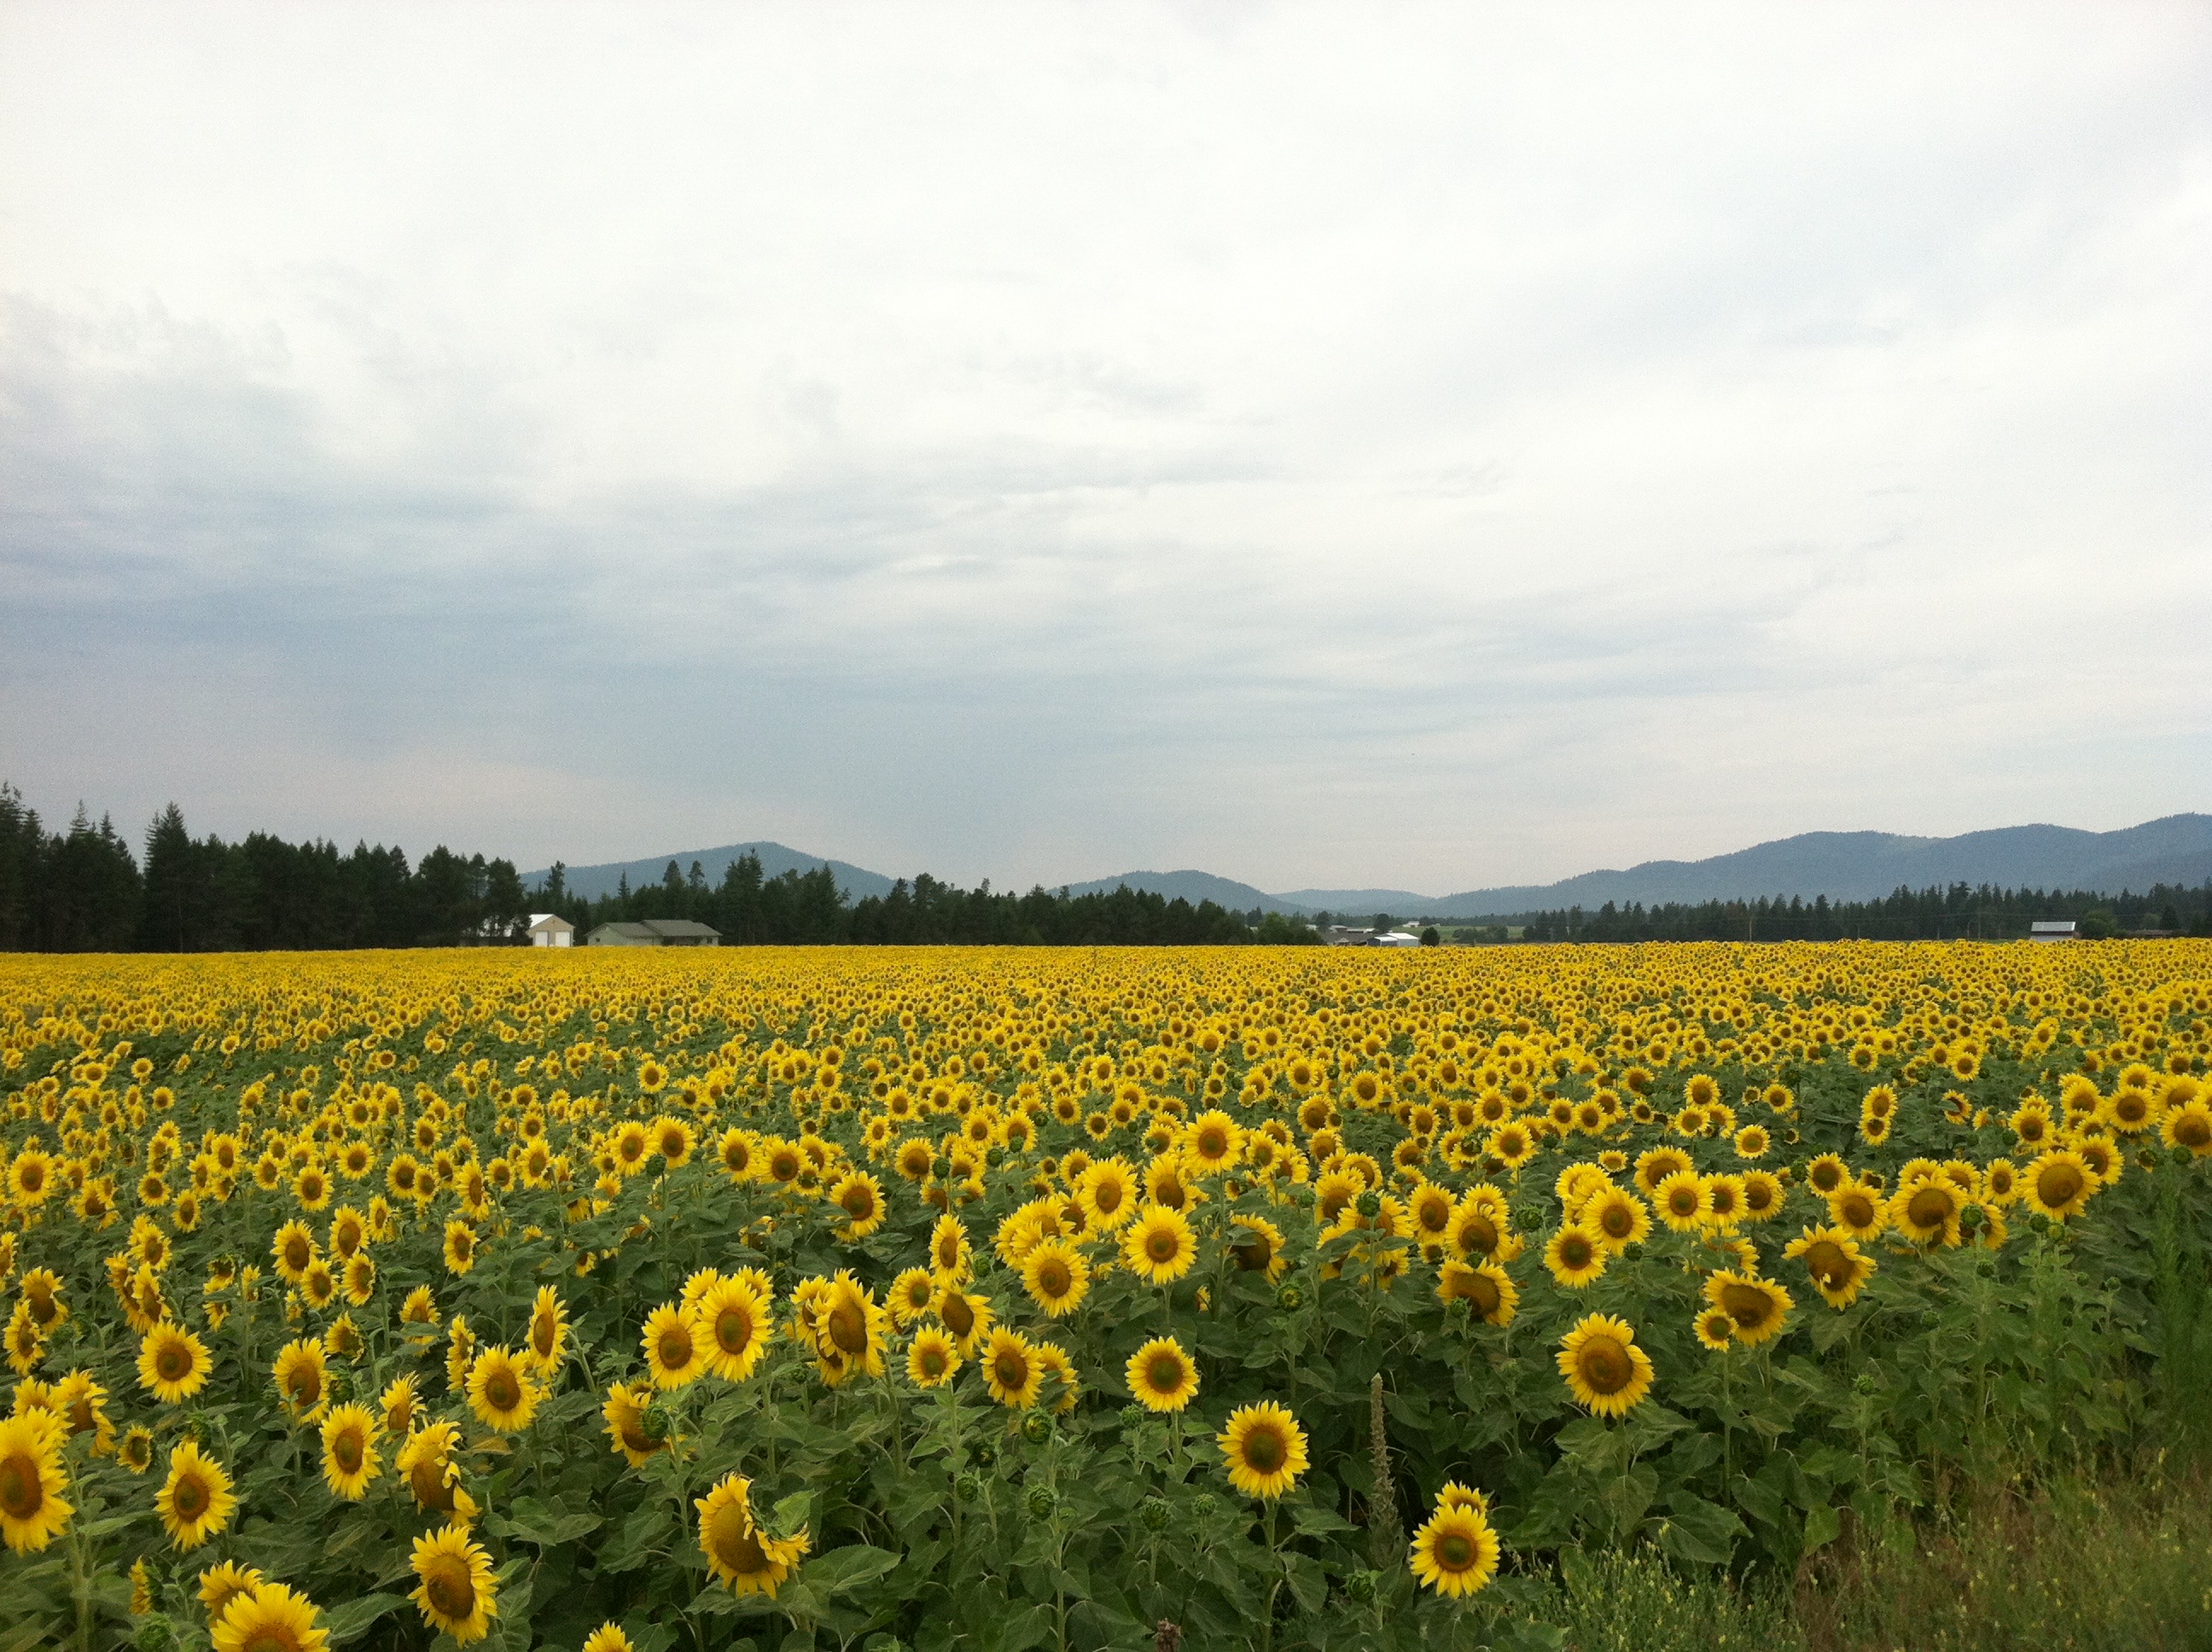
(2190, 1126)
(1759, 1308)
(1486, 1289)
(399, 1403)
(1605, 1370)
(860, 1197)
(1858, 1210)
(673, 1354)
(500, 1391)
(223, 1582)
(624, 1415)
(294, 1248)
(455, 1593)
(421, 1308)
(195, 1501)
(1827, 1173)
(949, 1254)
(1212, 1143)
(1724, 1195)
(1927, 1212)
(735, 1318)
(850, 1327)
(172, 1364)
(1656, 1165)
(33, 1510)
(1108, 1193)
(1714, 1328)
(1162, 1376)
(933, 1359)
(2058, 1184)
(738, 1551)
(1455, 1552)
(548, 1336)
(1575, 1256)
(966, 1316)
(1010, 1368)
(1616, 1219)
(1832, 1257)
(1763, 1195)
(301, 1370)
(270, 1618)
(350, 1457)
(1265, 1449)
(1159, 1247)
(1685, 1201)
(460, 1247)
(135, 1450)
(909, 1296)
(1056, 1277)
(432, 1477)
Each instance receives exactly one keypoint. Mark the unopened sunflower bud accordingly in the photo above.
(1036, 1428)
(156, 1634)
(969, 1487)
(1152, 1514)
(1042, 1500)
(1206, 1504)
(1970, 1219)
(1369, 1205)
(656, 1421)
(1292, 1296)
(1360, 1586)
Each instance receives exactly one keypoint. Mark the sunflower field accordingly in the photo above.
(1014, 1299)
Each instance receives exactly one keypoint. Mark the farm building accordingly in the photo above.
(2051, 929)
(1395, 938)
(654, 932)
(551, 929)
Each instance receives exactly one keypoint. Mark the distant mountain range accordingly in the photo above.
(1842, 865)
(593, 881)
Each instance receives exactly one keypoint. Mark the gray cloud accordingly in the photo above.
(1456, 451)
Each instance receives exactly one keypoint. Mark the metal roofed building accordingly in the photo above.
(654, 932)
(2051, 929)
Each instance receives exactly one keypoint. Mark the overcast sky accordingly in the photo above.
(1326, 446)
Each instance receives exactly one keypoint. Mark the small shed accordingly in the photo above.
(1395, 938)
(551, 929)
(654, 932)
(2050, 929)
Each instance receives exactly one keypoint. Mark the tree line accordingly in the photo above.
(747, 907)
(84, 890)
(1961, 912)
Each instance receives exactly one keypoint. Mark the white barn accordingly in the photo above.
(551, 929)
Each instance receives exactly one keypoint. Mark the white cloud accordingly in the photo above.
(1431, 448)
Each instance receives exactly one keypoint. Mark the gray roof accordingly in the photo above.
(667, 929)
